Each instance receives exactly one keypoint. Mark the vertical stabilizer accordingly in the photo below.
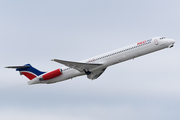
(28, 71)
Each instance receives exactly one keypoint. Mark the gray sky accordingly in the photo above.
(37, 31)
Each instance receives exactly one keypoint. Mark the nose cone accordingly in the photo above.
(171, 41)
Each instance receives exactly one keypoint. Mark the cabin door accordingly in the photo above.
(156, 42)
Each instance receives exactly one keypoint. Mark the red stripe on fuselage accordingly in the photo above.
(29, 75)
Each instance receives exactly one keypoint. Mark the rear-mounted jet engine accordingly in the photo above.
(51, 75)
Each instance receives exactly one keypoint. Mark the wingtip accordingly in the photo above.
(54, 60)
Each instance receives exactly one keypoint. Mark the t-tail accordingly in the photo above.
(28, 71)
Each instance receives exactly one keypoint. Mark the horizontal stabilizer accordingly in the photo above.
(18, 67)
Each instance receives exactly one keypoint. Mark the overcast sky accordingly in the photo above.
(36, 31)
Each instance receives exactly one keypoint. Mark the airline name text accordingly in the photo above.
(139, 43)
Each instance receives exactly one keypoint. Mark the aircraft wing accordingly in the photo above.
(78, 65)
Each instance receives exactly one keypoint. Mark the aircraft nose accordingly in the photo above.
(171, 41)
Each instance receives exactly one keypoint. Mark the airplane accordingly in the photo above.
(93, 67)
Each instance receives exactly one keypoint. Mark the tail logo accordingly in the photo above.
(30, 72)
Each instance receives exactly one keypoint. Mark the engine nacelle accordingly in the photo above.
(51, 75)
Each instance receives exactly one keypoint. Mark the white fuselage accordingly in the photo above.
(114, 57)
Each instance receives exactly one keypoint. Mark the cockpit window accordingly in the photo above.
(162, 38)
